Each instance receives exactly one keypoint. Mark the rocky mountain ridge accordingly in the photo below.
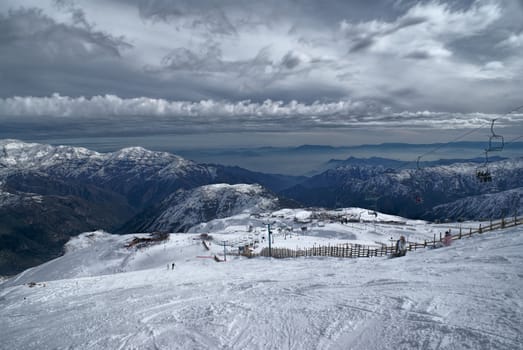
(185, 208)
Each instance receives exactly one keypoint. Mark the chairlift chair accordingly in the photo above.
(484, 175)
(495, 142)
(482, 172)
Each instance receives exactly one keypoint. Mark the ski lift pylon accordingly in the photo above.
(417, 163)
(418, 198)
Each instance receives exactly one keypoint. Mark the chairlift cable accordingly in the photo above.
(462, 136)
(439, 147)
(515, 109)
(506, 144)
(483, 169)
(480, 155)
(418, 167)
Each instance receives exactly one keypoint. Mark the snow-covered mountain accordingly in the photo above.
(106, 293)
(50, 193)
(81, 161)
(406, 192)
(20, 155)
(186, 208)
(139, 174)
(78, 190)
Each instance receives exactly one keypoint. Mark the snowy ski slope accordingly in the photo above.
(102, 295)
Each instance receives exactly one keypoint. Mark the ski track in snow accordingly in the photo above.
(467, 296)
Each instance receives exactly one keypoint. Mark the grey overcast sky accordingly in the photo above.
(205, 73)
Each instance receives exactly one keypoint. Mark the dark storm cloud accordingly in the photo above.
(418, 55)
(209, 59)
(31, 31)
(233, 65)
(362, 43)
(362, 37)
(255, 78)
(206, 15)
(290, 61)
(42, 56)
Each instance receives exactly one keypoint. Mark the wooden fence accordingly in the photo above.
(348, 250)
(497, 225)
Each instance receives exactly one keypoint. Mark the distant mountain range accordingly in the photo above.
(311, 160)
(392, 164)
(50, 193)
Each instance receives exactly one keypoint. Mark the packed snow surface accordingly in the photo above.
(104, 295)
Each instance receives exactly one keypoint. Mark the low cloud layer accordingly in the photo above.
(268, 115)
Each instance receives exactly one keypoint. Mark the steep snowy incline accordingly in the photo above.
(186, 208)
(467, 296)
(492, 205)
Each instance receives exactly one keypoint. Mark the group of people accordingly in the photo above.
(484, 176)
(401, 244)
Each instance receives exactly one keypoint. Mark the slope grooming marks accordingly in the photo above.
(428, 299)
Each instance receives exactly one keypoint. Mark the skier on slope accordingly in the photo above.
(401, 247)
(447, 239)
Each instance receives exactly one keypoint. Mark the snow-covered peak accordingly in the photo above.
(23, 155)
(219, 189)
(243, 197)
(186, 208)
(72, 161)
(137, 153)
(14, 144)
